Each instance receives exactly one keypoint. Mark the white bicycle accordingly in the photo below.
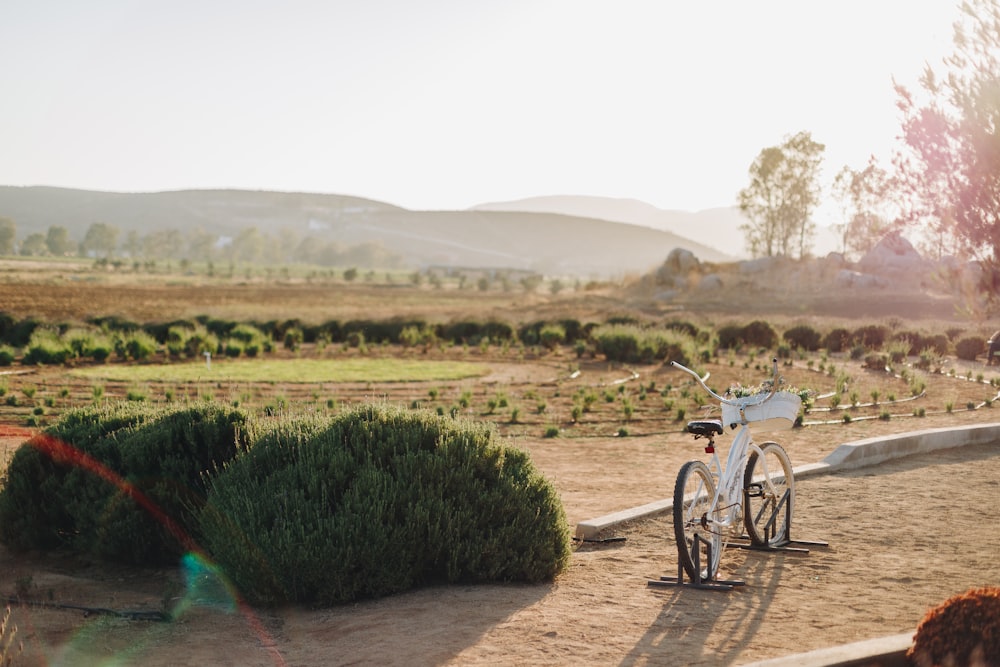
(755, 492)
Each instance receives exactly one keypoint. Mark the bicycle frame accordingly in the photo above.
(729, 482)
(728, 500)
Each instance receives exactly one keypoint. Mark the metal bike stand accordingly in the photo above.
(697, 581)
(770, 531)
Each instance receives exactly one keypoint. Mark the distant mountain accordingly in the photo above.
(551, 243)
(716, 228)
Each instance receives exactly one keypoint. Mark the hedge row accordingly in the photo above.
(308, 509)
(190, 338)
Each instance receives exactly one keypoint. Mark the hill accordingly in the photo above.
(551, 243)
(717, 228)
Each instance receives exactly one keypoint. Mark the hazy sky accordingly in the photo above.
(443, 104)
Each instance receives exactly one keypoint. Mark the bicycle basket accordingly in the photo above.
(777, 414)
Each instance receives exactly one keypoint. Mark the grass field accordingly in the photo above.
(284, 371)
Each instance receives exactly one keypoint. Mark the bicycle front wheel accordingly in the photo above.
(768, 495)
(698, 538)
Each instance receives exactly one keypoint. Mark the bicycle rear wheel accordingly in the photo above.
(768, 495)
(694, 493)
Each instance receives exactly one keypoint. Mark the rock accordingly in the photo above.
(680, 261)
(896, 257)
(762, 264)
(849, 279)
(712, 281)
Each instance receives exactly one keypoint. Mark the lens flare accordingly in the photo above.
(205, 583)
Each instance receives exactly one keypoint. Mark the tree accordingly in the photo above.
(34, 246)
(8, 232)
(202, 244)
(783, 192)
(58, 242)
(133, 244)
(949, 162)
(249, 244)
(163, 244)
(865, 199)
(101, 239)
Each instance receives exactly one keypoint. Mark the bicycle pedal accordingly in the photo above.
(755, 490)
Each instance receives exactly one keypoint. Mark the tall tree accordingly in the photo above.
(58, 241)
(163, 244)
(202, 244)
(34, 246)
(249, 244)
(783, 192)
(865, 198)
(8, 232)
(949, 163)
(132, 244)
(100, 240)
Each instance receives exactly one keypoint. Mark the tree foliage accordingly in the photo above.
(949, 166)
(58, 241)
(782, 194)
(864, 196)
(100, 240)
(34, 246)
(8, 231)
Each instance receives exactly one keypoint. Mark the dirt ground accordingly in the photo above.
(902, 537)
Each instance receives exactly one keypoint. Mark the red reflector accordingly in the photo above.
(710, 450)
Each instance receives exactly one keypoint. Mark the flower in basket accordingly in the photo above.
(737, 390)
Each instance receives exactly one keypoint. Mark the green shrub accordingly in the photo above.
(46, 346)
(730, 337)
(119, 482)
(760, 333)
(413, 336)
(293, 338)
(804, 337)
(897, 350)
(378, 500)
(81, 341)
(939, 343)
(871, 336)
(632, 344)
(970, 347)
(17, 333)
(552, 336)
(837, 340)
(245, 338)
(138, 345)
(876, 361)
(914, 341)
(7, 355)
(757, 334)
(472, 332)
(684, 327)
(177, 339)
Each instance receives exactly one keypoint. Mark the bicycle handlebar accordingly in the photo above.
(701, 381)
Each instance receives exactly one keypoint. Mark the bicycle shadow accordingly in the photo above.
(690, 617)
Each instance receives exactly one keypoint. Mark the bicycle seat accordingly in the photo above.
(705, 428)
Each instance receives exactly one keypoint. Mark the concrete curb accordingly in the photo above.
(879, 652)
(848, 456)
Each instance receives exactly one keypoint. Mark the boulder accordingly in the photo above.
(674, 271)
(856, 279)
(712, 281)
(894, 256)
